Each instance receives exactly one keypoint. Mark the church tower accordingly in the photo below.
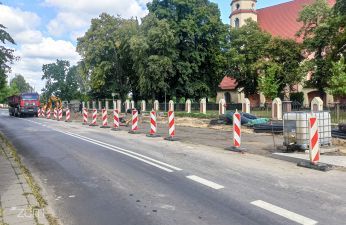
(242, 10)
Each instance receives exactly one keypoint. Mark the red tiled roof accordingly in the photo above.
(281, 20)
(228, 83)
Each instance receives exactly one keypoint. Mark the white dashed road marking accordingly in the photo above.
(205, 182)
(284, 213)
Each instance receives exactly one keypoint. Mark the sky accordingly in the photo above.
(46, 30)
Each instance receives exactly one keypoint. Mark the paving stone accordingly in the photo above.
(20, 201)
(18, 219)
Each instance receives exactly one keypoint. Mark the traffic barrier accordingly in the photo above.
(236, 129)
(39, 112)
(314, 147)
(94, 118)
(134, 127)
(42, 113)
(68, 116)
(55, 114)
(153, 125)
(48, 113)
(115, 120)
(171, 127)
(236, 133)
(104, 119)
(85, 116)
(60, 114)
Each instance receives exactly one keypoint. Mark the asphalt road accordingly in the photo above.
(97, 176)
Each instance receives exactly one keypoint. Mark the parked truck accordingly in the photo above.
(24, 104)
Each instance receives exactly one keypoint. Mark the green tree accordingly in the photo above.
(267, 82)
(316, 33)
(153, 52)
(6, 55)
(248, 47)
(337, 83)
(106, 56)
(198, 60)
(21, 83)
(61, 80)
(7, 91)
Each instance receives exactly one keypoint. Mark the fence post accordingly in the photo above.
(171, 105)
(107, 105)
(188, 106)
(277, 109)
(156, 105)
(143, 106)
(203, 106)
(337, 104)
(222, 106)
(127, 105)
(132, 104)
(119, 105)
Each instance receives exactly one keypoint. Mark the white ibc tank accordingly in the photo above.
(298, 122)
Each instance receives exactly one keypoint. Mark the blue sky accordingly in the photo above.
(46, 30)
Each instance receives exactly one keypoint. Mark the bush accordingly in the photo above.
(297, 96)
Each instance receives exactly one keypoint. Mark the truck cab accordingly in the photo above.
(24, 104)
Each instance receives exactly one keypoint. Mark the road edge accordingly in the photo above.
(35, 188)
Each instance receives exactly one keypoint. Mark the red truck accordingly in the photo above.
(24, 104)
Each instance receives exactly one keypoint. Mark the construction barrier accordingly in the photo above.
(85, 116)
(60, 114)
(94, 118)
(104, 119)
(134, 127)
(48, 113)
(171, 127)
(55, 114)
(39, 112)
(153, 125)
(115, 120)
(68, 116)
(236, 129)
(314, 147)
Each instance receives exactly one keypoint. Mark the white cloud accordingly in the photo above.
(75, 18)
(33, 48)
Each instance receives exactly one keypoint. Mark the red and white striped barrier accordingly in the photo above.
(314, 147)
(85, 116)
(104, 119)
(59, 114)
(43, 113)
(55, 115)
(171, 127)
(48, 113)
(134, 127)
(236, 129)
(38, 112)
(153, 125)
(68, 115)
(94, 118)
(115, 120)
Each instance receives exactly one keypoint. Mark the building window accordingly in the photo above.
(237, 6)
(236, 23)
(253, 5)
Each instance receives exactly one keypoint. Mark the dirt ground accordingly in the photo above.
(199, 131)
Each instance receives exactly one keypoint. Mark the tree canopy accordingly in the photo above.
(20, 82)
(7, 56)
(61, 80)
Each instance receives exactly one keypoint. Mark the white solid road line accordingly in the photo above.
(205, 182)
(129, 153)
(284, 213)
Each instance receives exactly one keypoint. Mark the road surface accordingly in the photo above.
(97, 176)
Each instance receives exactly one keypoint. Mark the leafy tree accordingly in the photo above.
(337, 83)
(105, 49)
(7, 91)
(61, 80)
(21, 84)
(6, 55)
(316, 32)
(198, 59)
(248, 46)
(153, 52)
(268, 82)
